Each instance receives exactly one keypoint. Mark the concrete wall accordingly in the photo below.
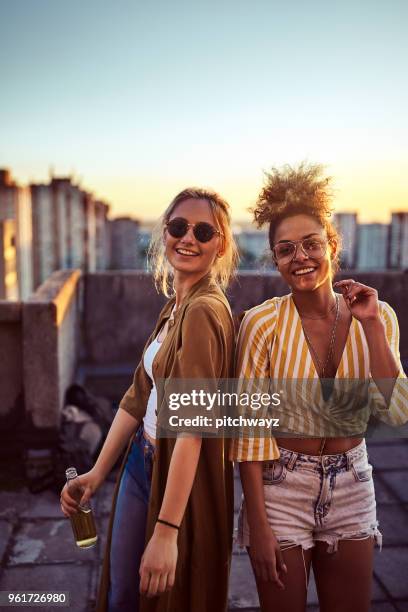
(119, 312)
(51, 327)
(121, 308)
(11, 362)
(102, 320)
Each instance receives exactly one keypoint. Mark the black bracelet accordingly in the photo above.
(168, 524)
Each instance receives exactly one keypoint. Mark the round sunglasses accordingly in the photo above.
(203, 231)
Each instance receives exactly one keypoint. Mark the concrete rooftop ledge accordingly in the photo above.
(51, 336)
(10, 311)
(88, 327)
(58, 290)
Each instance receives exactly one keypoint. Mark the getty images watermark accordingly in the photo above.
(282, 407)
(199, 398)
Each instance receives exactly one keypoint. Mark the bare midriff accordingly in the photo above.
(315, 446)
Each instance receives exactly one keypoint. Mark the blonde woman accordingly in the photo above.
(171, 521)
(309, 496)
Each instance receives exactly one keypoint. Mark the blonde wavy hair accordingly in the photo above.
(223, 268)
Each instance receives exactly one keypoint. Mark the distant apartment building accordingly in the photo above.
(253, 247)
(347, 225)
(143, 244)
(45, 258)
(372, 246)
(398, 241)
(69, 229)
(9, 289)
(77, 226)
(89, 234)
(125, 248)
(102, 236)
(15, 204)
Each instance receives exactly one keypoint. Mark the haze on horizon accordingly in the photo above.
(139, 101)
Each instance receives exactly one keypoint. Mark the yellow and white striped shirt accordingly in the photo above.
(272, 345)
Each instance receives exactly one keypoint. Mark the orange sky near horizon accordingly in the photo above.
(374, 193)
(374, 189)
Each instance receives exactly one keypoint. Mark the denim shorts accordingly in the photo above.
(309, 498)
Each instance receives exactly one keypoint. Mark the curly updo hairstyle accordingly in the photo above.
(298, 190)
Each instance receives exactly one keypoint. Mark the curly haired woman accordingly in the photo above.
(309, 496)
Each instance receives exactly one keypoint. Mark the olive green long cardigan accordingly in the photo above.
(199, 344)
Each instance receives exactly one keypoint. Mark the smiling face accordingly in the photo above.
(186, 254)
(304, 273)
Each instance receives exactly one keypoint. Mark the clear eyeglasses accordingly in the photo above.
(284, 252)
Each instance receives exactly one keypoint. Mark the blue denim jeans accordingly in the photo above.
(129, 527)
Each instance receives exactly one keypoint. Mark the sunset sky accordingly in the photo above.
(140, 99)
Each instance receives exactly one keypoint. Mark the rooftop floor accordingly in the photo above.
(37, 549)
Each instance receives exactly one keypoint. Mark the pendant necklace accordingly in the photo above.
(323, 367)
(329, 354)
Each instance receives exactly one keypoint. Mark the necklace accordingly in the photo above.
(321, 367)
(322, 316)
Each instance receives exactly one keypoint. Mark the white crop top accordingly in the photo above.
(150, 418)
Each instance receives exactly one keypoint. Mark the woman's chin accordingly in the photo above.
(307, 287)
(178, 262)
(186, 267)
(304, 283)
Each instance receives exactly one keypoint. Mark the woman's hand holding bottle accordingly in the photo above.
(90, 482)
(122, 429)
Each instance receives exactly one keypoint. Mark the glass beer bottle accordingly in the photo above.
(83, 524)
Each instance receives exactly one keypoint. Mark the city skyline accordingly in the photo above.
(239, 214)
(149, 221)
(57, 226)
(142, 101)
